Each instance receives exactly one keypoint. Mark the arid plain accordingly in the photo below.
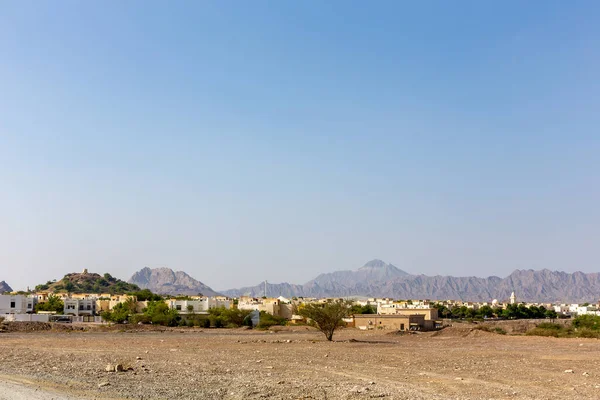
(295, 363)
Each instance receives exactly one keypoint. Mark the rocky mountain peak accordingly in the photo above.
(166, 281)
(375, 264)
(4, 287)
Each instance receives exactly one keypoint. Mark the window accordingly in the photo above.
(89, 307)
(12, 304)
(28, 305)
(401, 327)
(178, 307)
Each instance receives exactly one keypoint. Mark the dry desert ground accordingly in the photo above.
(295, 363)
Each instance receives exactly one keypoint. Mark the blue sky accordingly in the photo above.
(243, 141)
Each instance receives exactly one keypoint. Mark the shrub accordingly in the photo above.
(587, 321)
(550, 329)
(267, 320)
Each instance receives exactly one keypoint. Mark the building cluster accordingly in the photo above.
(86, 307)
(403, 315)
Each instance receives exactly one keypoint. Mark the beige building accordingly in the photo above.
(392, 322)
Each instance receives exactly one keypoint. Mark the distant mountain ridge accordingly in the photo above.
(4, 287)
(167, 281)
(378, 279)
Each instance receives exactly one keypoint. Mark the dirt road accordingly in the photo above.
(237, 364)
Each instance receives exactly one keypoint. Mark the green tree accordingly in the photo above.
(54, 303)
(366, 309)
(485, 312)
(69, 286)
(327, 317)
(160, 313)
(119, 314)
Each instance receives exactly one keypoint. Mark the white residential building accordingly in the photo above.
(77, 307)
(17, 304)
(201, 305)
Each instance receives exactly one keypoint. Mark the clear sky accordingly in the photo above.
(242, 141)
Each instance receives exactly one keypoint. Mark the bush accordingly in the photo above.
(488, 328)
(267, 320)
(591, 322)
(588, 333)
(231, 318)
(551, 329)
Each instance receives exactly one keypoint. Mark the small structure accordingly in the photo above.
(513, 298)
(396, 322)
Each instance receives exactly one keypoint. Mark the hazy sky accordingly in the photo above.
(242, 141)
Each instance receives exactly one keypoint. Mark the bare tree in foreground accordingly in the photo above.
(327, 317)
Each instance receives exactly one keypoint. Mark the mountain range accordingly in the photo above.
(378, 279)
(167, 281)
(4, 287)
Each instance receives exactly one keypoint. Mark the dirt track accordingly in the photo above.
(233, 364)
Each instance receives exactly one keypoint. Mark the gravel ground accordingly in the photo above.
(456, 363)
(18, 390)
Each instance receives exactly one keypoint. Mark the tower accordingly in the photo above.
(513, 298)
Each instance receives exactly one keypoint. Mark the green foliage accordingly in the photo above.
(89, 283)
(121, 312)
(326, 317)
(146, 295)
(367, 309)
(267, 320)
(143, 318)
(488, 328)
(69, 286)
(43, 286)
(222, 317)
(591, 322)
(581, 327)
(160, 314)
(550, 329)
(512, 311)
(54, 303)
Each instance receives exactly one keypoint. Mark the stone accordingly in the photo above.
(103, 384)
(569, 371)
(109, 368)
(119, 368)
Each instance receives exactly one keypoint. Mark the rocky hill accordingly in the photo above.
(378, 279)
(4, 287)
(167, 281)
(86, 282)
